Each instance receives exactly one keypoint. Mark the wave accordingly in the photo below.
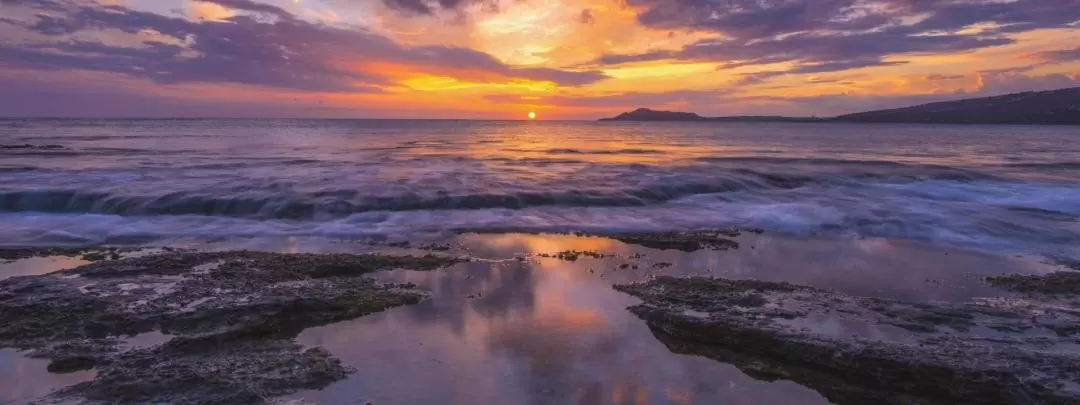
(273, 203)
(30, 147)
(605, 152)
(1050, 165)
(823, 161)
(257, 163)
(570, 151)
(19, 169)
(321, 205)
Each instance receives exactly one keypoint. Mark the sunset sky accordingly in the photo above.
(563, 59)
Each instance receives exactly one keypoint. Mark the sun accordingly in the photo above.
(532, 115)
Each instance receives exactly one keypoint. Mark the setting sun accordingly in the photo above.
(532, 115)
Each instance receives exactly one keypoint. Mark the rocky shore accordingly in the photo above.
(188, 327)
(1008, 350)
(225, 322)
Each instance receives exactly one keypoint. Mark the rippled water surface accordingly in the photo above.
(87, 182)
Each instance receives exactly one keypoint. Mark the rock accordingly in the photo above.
(684, 241)
(88, 254)
(1065, 282)
(921, 353)
(231, 316)
(212, 370)
(26, 253)
(574, 255)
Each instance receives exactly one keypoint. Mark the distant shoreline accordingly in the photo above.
(1055, 107)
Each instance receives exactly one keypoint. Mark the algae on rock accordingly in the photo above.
(231, 317)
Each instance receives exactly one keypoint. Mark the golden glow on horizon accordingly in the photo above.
(545, 56)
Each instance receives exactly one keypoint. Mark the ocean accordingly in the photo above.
(919, 213)
(85, 182)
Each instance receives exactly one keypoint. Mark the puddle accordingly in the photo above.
(38, 265)
(23, 379)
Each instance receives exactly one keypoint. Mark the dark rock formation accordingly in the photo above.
(858, 350)
(230, 319)
(645, 114)
(684, 241)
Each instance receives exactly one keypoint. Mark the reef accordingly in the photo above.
(1060, 283)
(227, 320)
(684, 241)
(859, 350)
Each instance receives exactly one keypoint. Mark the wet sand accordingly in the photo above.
(513, 326)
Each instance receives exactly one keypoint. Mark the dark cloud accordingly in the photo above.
(745, 19)
(586, 17)
(832, 35)
(940, 77)
(1059, 56)
(836, 50)
(285, 52)
(429, 7)
(641, 57)
(834, 66)
(39, 97)
(248, 5)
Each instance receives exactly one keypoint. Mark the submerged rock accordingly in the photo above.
(231, 317)
(1065, 282)
(859, 350)
(574, 255)
(684, 241)
(92, 254)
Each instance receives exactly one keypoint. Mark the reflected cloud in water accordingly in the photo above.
(548, 331)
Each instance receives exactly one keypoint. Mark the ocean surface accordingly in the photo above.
(83, 182)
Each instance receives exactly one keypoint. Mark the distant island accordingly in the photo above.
(645, 114)
(1054, 107)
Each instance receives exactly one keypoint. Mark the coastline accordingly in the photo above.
(559, 285)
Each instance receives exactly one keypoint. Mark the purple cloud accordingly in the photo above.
(832, 35)
(429, 7)
(248, 5)
(586, 17)
(940, 77)
(1059, 56)
(285, 52)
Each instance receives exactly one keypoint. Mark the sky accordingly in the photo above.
(501, 59)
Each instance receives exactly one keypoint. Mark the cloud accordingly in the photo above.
(746, 19)
(430, 7)
(824, 67)
(248, 5)
(586, 17)
(841, 34)
(731, 101)
(988, 83)
(623, 100)
(941, 77)
(283, 52)
(996, 82)
(1058, 56)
